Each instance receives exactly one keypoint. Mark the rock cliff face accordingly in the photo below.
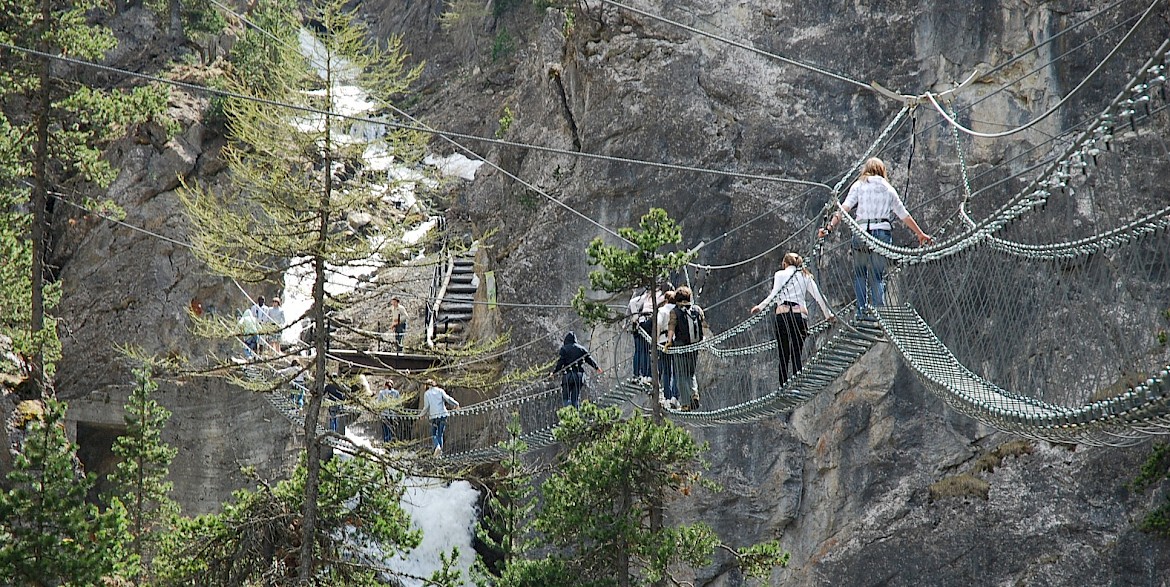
(876, 483)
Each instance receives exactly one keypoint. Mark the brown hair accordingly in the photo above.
(874, 166)
(682, 294)
(795, 260)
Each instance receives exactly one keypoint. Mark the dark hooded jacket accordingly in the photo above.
(573, 356)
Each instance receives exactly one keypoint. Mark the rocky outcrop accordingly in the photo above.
(132, 284)
(874, 483)
(877, 483)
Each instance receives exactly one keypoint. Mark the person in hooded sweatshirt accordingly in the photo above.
(571, 366)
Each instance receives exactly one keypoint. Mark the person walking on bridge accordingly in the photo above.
(435, 402)
(571, 366)
(790, 286)
(876, 202)
(686, 326)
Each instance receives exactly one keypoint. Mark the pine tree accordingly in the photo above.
(52, 128)
(505, 527)
(624, 268)
(49, 535)
(295, 176)
(140, 481)
(597, 505)
(256, 538)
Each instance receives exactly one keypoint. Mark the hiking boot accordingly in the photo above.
(438, 452)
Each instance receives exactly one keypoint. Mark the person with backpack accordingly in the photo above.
(571, 366)
(790, 285)
(686, 328)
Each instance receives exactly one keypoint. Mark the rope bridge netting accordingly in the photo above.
(1043, 308)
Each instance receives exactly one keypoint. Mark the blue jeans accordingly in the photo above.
(869, 272)
(642, 351)
(571, 384)
(438, 429)
(335, 420)
(684, 375)
(666, 375)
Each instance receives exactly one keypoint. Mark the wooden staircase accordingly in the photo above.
(452, 302)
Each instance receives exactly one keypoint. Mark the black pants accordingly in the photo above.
(791, 330)
(571, 384)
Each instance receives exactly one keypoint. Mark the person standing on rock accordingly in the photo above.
(790, 285)
(435, 402)
(876, 202)
(397, 322)
(275, 324)
(571, 366)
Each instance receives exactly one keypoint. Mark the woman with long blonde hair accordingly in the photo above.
(876, 202)
(790, 285)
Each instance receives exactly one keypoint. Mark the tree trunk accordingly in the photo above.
(320, 338)
(40, 202)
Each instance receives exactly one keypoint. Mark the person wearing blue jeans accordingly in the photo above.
(869, 272)
(876, 202)
(435, 402)
(641, 309)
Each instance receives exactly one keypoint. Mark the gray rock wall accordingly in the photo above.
(878, 482)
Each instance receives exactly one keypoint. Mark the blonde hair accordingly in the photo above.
(795, 260)
(874, 166)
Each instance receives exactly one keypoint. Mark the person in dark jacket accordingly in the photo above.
(571, 366)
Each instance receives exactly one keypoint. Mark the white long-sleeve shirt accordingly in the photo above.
(664, 322)
(435, 402)
(791, 285)
(875, 199)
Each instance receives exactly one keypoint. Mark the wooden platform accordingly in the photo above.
(373, 362)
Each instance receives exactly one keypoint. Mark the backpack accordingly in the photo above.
(688, 328)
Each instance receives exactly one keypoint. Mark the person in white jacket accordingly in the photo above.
(435, 402)
(790, 286)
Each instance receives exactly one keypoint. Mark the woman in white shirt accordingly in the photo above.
(790, 285)
(876, 202)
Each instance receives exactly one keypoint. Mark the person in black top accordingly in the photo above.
(571, 366)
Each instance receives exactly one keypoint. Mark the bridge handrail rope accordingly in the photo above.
(830, 360)
(933, 99)
(1105, 422)
(1037, 192)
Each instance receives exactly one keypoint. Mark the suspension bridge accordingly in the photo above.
(1042, 311)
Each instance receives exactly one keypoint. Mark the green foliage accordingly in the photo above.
(502, 7)
(506, 120)
(256, 538)
(266, 56)
(504, 526)
(597, 506)
(140, 480)
(80, 121)
(49, 535)
(502, 45)
(1155, 470)
(623, 269)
